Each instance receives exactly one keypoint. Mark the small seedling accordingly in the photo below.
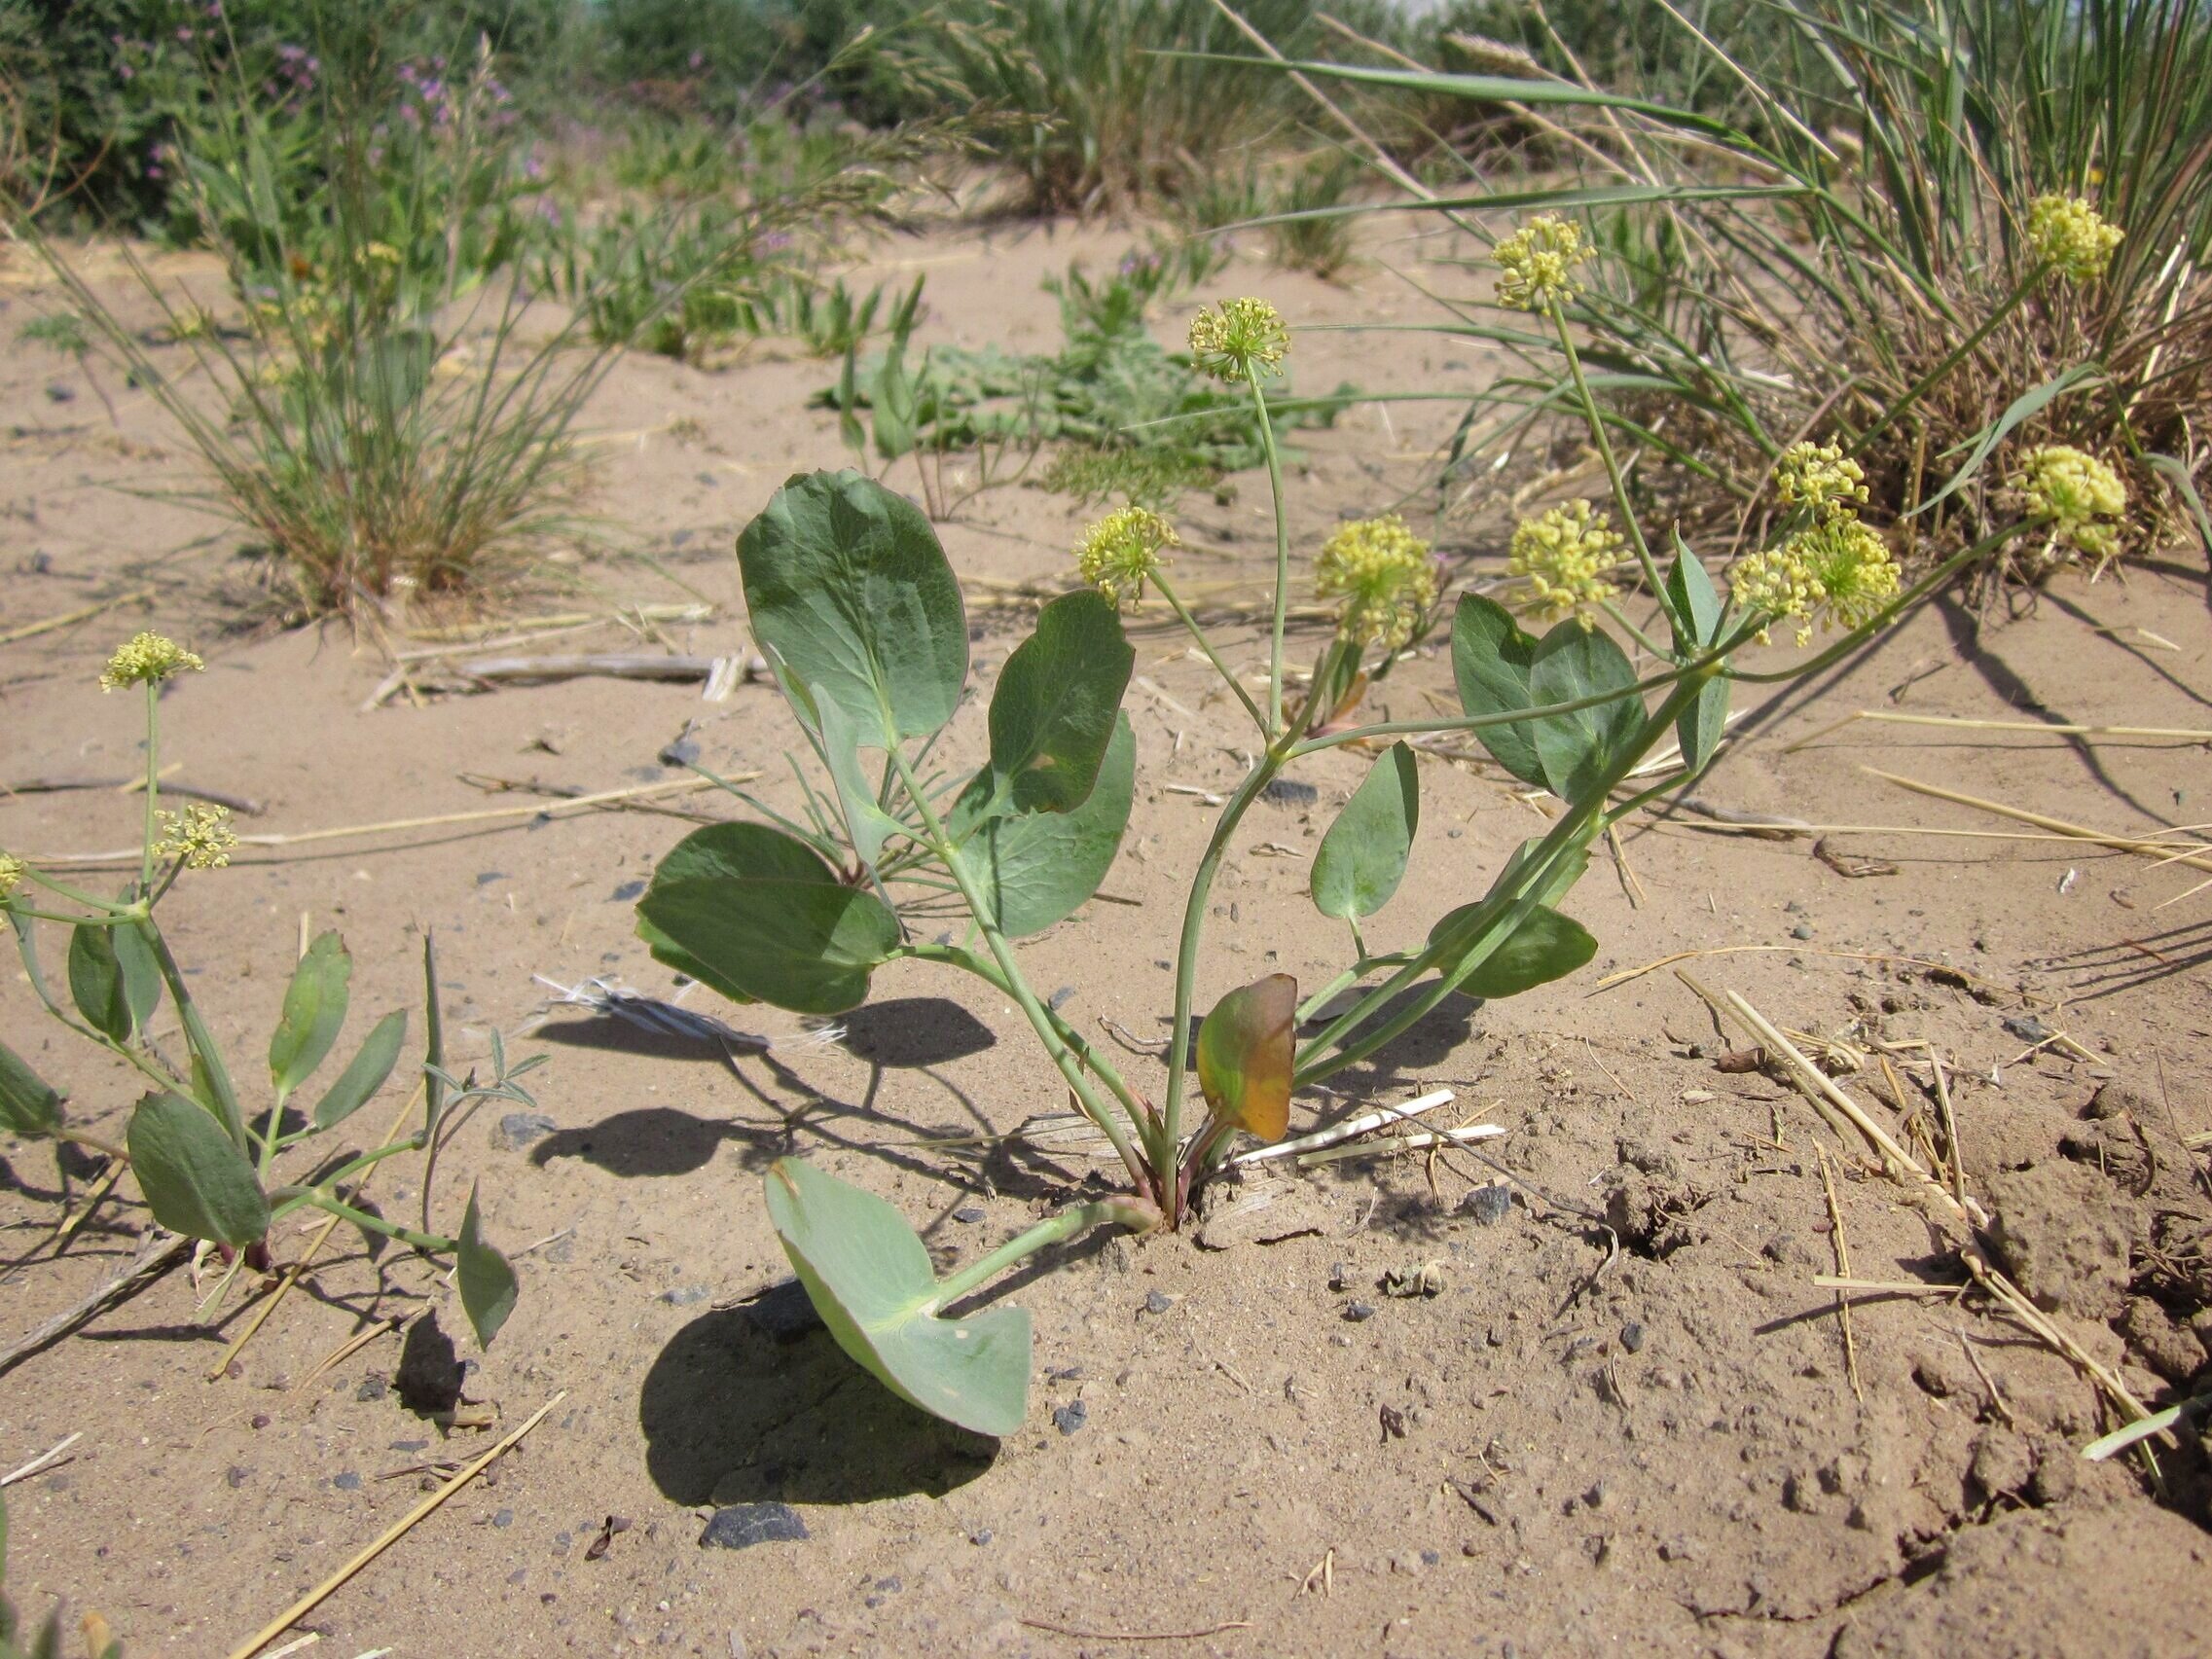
(860, 617)
(208, 1164)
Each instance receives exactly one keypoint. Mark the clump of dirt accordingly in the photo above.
(1648, 1200)
(2065, 1236)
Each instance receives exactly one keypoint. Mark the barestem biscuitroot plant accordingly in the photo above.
(206, 1161)
(858, 614)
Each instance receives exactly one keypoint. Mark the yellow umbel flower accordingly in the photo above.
(1537, 263)
(1837, 574)
(2072, 235)
(1237, 340)
(11, 875)
(1385, 575)
(1122, 550)
(200, 836)
(2077, 495)
(147, 659)
(1821, 479)
(1566, 554)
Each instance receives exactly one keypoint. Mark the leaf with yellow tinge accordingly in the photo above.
(1244, 1053)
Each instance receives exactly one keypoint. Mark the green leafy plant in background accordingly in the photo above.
(210, 1165)
(1137, 420)
(675, 285)
(1876, 244)
(861, 619)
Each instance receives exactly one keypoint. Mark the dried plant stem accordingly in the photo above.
(1669, 960)
(392, 826)
(314, 1597)
(1960, 723)
(1842, 1271)
(43, 1460)
(31, 630)
(2163, 852)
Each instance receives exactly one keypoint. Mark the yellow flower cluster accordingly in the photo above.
(1385, 576)
(1237, 340)
(2077, 495)
(1839, 573)
(200, 836)
(1821, 479)
(1537, 263)
(11, 875)
(1122, 550)
(1566, 554)
(147, 659)
(2072, 235)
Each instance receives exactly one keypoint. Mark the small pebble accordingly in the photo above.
(262, 1419)
(1800, 931)
(741, 1526)
(1288, 792)
(1157, 1302)
(628, 892)
(1632, 1337)
(1357, 1310)
(1071, 1417)
(374, 1386)
(518, 1130)
(980, 1536)
(686, 1295)
(1488, 1205)
(1061, 999)
(236, 1477)
(968, 1213)
(348, 1482)
(504, 1518)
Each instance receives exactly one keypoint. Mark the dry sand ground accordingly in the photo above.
(1668, 1457)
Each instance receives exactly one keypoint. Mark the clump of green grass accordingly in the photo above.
(1859, 261)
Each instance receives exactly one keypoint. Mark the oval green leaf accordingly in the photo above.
(114, 978)
(487, 1283)
(1544, 947)
(28, 1103)
(847, 585)
(1244, 1053)
(1491, 659)
(315, 1011)
(1573, 661)
(773, 921)
(870, 1280)
(1054, 708)
(1034, 869)
(1362, 857)
(1700, 727)
(365, 1073)
(196, 1182)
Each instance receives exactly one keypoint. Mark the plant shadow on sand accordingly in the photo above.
(733, 1414)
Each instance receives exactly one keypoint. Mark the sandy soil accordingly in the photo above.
(1662, 1452)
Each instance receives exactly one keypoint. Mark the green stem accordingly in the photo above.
(1620, 618)
(200, 1037)
(332, 1205)
(988, 972)
(1137, 1215)
(1508, 718)
(1957, 355)
(1502, 913)
(1167, 1152)
(1018, 987)
(1346, 979)
(1206, 645)
(106, 1148)
(1604, 443)
(1282, 557)
(106, 907)
(152, 783)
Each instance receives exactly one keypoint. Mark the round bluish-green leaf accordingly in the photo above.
(847, 585)
(774, 922)
(28, 1103)
(1362, 857)
(197, 1183)
(1034, 869)
(1054, 707)
(1491, 659)
(1572, 663)
(870, 1278)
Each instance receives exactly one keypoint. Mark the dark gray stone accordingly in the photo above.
(741, 1526)
(518, 1130)
(1071, 1417)
(1488, 1205)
